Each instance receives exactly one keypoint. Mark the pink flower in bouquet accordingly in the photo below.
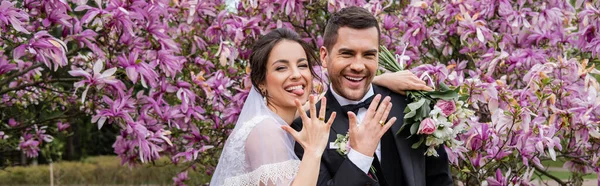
(447, 107)
(427, 126)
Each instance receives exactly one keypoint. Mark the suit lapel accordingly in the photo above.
(403, 145)
(340, 124)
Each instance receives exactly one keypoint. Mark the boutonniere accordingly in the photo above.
(342, 144)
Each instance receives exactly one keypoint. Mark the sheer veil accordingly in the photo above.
(257, 150)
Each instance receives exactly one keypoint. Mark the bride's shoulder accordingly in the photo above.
(265, 123)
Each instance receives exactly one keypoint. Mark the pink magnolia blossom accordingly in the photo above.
(45, 48)
(30, 147)
(96, 78)
(180, 178)
(9, 15)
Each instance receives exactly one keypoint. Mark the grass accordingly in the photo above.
(101, 170)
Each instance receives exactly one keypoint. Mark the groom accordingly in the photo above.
(377, 156)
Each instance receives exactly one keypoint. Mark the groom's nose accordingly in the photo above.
(357, 66)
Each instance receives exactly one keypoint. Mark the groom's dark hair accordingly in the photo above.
(353, 17)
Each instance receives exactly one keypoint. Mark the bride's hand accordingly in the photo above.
(315, 131)
(401, 81)
(306, 105)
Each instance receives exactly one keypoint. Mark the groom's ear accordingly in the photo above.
(323, 55)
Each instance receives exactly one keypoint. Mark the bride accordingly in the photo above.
(259, 151)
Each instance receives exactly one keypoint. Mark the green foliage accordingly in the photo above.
(100, 170)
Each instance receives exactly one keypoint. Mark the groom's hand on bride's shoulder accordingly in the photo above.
(401, 81)
(365, 137)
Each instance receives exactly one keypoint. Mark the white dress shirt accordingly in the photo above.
(362, 161)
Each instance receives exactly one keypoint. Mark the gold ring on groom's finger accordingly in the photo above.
(381, 122)
(322, 119)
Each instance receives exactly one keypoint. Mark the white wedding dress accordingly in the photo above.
(258, 151)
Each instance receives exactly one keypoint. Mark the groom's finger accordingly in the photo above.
(387, 126)
(352, 121)
(373, 107)
(381, 109)
(386, 112)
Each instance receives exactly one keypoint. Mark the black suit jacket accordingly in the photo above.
(418, 169)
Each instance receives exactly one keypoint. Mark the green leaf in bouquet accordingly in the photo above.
(414, 128)
(444, 95)
(411, 114)
(416, 105)
(443, 87)
(418, 143)
(424, 111)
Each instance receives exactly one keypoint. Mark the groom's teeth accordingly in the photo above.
(353, 79)
(294, 87)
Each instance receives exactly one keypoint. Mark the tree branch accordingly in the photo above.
(31, 123)
(558, 180)
(3, 91)
(13, 76)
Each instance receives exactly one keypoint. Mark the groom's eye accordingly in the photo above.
(346, 54)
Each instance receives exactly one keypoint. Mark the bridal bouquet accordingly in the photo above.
(436, 117)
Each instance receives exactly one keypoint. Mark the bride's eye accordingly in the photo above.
(280, 68)
(303, 65)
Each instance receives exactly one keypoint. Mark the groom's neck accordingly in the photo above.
(344, 100)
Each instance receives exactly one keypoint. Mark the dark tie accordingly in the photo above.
(354, 107)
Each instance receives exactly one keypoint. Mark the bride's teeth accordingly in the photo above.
(294, 87)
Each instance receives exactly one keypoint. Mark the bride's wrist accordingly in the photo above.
(313, 153)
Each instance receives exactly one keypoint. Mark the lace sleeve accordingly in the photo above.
(270, 155)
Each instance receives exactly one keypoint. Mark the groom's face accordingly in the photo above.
(352, 61)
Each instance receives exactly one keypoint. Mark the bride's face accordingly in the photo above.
(288, 75)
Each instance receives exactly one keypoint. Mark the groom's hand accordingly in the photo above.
(365, 137)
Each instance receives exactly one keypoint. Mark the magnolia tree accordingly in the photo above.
(171, 75)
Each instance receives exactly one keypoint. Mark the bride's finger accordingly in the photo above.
(292, 132)
(331, 118)
(313, 108)
(301, 112)
(322, 111)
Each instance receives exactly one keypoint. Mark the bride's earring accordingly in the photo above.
(264, 94)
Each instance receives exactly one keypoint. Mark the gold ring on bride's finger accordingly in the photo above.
(322, 119)
(381, 122)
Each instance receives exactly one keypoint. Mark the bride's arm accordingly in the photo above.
(313, 138)
(308, 171)
(270, 153)
(400, 81)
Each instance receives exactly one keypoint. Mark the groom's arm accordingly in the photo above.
(437, 169)
(347, 174)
